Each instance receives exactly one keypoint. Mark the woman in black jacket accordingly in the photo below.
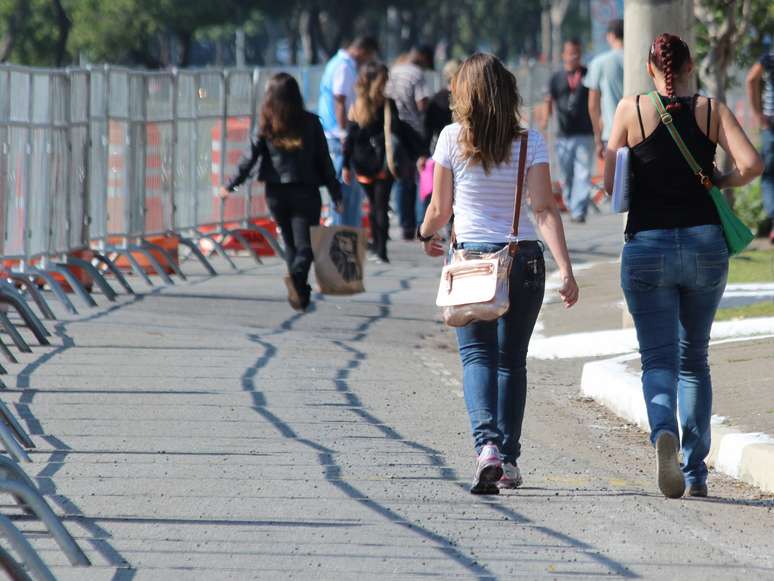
(366, 149)
(291, 153)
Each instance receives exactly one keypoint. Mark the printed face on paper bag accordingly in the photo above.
(343, 253)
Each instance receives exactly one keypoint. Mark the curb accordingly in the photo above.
(748, 457)
(620, 341)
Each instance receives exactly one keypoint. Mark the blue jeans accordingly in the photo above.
(494, 355)
(767, 179)
(575, 156)
(351, 196)
(673, 281)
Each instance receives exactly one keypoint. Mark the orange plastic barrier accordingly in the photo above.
(80, 274)
(255, 239)
(169, 243)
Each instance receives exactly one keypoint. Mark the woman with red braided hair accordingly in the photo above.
(675, 261)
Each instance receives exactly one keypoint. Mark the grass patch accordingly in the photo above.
(752, 266)
(765, 309)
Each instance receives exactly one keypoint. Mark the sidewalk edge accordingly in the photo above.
(748, 457)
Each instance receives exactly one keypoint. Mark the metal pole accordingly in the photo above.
(225, 80)
(173, 170)
(27, 177)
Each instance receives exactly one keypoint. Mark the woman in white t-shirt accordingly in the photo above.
(477, 160)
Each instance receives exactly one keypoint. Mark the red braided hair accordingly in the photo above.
(670, 54)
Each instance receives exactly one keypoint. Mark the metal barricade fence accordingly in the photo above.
(237, 127)
(159, 154)
(77, 185)
(108, 153)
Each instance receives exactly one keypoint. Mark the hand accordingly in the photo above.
(346, 175)
(435, 246)
(569, 290)
(600, 148)
(421, 162)
(338, 207)
(223, 193)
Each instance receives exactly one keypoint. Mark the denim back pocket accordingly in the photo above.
(642, 272)
(711, 270)
(535, 272)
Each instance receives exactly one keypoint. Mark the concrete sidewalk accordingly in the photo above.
(741, 369)
(206, 431)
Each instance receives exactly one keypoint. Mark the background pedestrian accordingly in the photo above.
(365, 148)
(604, 81)
(407, 87)
(291, 153)
(337, 94)
(760, 90)
(568, 96)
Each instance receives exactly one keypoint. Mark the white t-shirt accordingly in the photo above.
(344, 78)
(483, 204)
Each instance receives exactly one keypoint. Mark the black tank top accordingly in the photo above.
(666, 193)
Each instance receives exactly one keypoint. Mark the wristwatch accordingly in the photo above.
(423, 238)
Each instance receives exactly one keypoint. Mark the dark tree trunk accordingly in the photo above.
(8, 42)
(292, 25)
(63, 24)
(310, 34)
(185, 39)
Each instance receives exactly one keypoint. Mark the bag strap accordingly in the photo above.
(389, 152)
(666, 119)
(519, 187)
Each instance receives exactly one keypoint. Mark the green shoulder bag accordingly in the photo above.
(737, 235)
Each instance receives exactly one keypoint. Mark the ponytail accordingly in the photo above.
(669, 53)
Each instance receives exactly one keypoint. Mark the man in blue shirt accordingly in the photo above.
(337, 93)
(760, 90)
(605, 84)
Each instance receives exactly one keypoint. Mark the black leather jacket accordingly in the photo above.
(310, 165)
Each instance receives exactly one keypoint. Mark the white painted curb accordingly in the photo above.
(746, 456)
(602, 343)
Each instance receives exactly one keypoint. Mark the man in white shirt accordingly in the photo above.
(411, 94)
(337, 93)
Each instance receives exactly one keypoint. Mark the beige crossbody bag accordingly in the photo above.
(475, 286)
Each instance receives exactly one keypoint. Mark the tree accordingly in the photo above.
(14, 16)
(725, 24)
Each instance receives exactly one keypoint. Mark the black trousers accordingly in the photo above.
(295, 208)
(378, 193)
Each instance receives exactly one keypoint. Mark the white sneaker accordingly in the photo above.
(489, 469)
(511, 477)
(670, 477)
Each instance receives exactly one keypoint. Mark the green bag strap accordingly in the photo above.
(667, 120)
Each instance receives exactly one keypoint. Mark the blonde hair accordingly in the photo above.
(369, 93)
(485, 102)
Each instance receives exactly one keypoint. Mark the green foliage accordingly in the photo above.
(158, 33)
(117, 31)
(748, 205)
(36, 34)
(751, 44)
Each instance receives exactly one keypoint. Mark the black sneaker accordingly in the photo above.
(670, 477)
(306, 297)
(698, 490)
